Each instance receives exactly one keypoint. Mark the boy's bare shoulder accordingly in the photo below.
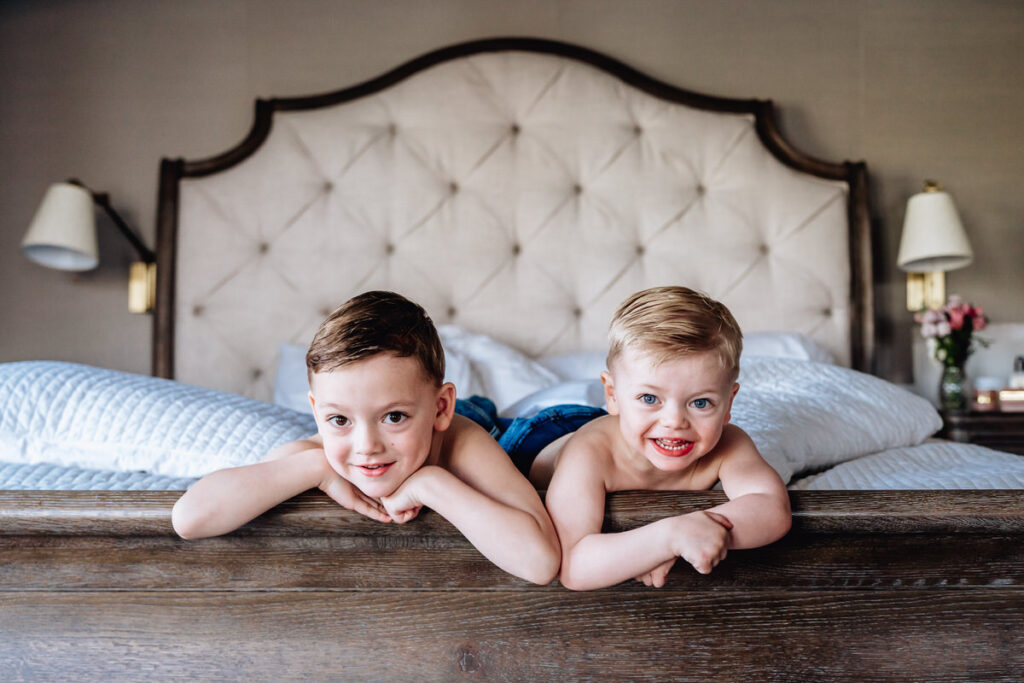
(293, 447)
(465, 439)
(592, 444)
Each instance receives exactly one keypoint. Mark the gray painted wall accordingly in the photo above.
(102, 89)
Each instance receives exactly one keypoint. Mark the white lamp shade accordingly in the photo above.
(62, 234)
(933, 236)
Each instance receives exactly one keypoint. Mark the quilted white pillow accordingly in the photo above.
(71, 414)
(806, 416)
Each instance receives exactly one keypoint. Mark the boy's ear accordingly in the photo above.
(728, 408)
(445, 407)
(609, 393)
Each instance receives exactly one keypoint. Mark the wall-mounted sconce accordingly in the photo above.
(62, 235)
(933, 242)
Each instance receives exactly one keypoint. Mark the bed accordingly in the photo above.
(518, 189)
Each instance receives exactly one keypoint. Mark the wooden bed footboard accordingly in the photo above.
(867, 585)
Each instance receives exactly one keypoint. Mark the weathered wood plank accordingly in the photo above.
(139, 513)
(864, 562)
(538, 635)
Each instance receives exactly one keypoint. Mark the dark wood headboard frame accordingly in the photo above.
(854, 174)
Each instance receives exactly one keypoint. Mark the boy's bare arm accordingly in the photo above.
(226, 499)
(591, 559)
(487, 499)
(758, 505)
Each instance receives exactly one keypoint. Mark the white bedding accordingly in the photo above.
(93, 418)
(932, 465)
(119, 430)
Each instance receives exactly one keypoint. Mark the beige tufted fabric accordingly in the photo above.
(519, 194)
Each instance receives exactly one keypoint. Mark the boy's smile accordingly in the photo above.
(673, 448)
(377, 419)
(670, 413)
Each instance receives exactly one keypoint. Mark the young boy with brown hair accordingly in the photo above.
(670, 382)
(387, 444)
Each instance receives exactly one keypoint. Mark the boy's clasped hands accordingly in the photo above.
(390, 441)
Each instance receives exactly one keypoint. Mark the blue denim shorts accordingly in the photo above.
(525, 437)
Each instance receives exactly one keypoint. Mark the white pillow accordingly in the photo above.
(499, 372)
(805, 415)
(579, 391)
(70, 414)
(590, 364)
(291, 387)
(785, 345)
(586, 365)
(474, 363)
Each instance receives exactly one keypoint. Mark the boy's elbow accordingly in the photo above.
(544, 571)
(187, 524)
(783, 520)
(573, 581)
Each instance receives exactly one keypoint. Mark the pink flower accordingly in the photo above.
(978, 318)
(956, 316)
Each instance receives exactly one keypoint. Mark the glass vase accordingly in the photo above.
(954, 394)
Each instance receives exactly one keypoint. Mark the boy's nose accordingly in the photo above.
(367, 440)
(674, 418)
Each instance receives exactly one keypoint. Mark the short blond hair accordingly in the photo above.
(373, 323)
(666, 322)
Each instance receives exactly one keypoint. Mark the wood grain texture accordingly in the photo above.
(867, 586)
(538, 635)
(140, 513)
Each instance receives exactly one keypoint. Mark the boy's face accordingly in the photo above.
(377, 418)
(670, 413)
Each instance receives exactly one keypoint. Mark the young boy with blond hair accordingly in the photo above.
(670, 381)
(388, 443)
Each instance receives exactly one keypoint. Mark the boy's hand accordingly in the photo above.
(656, 577)
(406, 502)
(702, 539)
(401, 505)
(349, 497)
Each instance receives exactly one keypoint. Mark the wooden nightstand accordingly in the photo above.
(1002, 431)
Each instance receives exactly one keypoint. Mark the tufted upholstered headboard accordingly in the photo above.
(516, 187)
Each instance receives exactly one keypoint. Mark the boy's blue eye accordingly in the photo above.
(338, 420)
(649, 399)
(701, 403)
(394, 417)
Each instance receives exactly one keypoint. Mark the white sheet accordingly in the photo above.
(49, 477)
(933, 465)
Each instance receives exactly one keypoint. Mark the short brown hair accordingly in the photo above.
(671, 321)
(373, 323)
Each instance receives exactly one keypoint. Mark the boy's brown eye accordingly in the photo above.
(338, 420)
(394, 418)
